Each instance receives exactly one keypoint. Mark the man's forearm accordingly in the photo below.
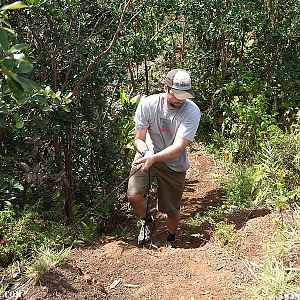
(140, 145)
(169, 153)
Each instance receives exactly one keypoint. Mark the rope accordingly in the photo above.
(147, 208)
(96, 206)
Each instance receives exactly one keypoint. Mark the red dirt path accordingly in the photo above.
(114, 268)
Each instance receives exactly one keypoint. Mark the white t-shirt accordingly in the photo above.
(165, 125)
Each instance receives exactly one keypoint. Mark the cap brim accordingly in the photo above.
(182, 95)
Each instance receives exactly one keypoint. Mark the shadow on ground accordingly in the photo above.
(56, 282)
(190, 235)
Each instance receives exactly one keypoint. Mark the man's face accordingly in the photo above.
(172, 100)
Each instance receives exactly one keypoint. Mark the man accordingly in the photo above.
(165, 124)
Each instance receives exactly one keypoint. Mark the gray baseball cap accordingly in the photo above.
(180, 83)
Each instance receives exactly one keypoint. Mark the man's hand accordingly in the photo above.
(145, 162)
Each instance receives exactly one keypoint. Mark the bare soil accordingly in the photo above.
(116, 267)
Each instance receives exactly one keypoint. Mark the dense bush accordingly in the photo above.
(63, 148)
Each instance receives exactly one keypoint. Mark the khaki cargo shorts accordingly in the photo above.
(170, 185)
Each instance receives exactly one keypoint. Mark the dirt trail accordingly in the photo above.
(199, 269)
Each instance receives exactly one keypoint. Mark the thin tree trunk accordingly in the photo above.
(131, 75)
(66, 80)
(54, 70)
(68, 181)
(146, 77)
(65, 178)
(183, 41)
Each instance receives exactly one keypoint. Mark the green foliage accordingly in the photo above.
(285, 238)
(239, 190)
(44, 260)
(87, 231)
(224, 234)
(13, 6)
(246, 124)
(277, 172)
(272, 280)
(13, 61)
(238, 194)
(272, 181)
(126, 123)
(244, 59)
(21, 233)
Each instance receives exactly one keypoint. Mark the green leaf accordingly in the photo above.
(15, 5)
(9, 62)
(124, 97)
(66, 109)
(25, 67)
(26, 84)
(3, 39)
(68, 99)
(15, 87)
(9, 30)
(2, 122)
(19, 56)
(18, 47)
(19, 123)
(18, 186)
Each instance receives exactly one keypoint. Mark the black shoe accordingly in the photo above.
(171, 241)
(171, 244)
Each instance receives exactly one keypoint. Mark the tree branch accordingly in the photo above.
(79, 83)
(54, 70)
(68, 73)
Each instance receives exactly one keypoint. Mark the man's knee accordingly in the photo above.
(135, 198)
(173, 214)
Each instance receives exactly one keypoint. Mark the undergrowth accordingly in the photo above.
(269, 179)
(278, 276)
(272, 280)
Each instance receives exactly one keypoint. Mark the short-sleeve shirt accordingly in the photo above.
(164, 126)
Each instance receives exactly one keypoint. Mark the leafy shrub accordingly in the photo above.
(224, 234)
(246, 122)
(285, 239)
(272, 280)
(277, 172)
(239, 189)
(44, 259)
(24, 232)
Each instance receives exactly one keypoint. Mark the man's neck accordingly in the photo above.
(166, 104)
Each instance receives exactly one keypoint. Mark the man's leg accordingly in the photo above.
(170, 189)
(138, 185)
(172, 222)
(139, 204)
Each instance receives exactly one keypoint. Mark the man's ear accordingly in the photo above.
(166, 88)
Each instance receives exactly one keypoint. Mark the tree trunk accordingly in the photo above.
(68, 182)
(146, 77)
(65, 178)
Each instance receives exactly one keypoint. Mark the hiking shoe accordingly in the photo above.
(171, 244)
(171, 241)
(146, 230)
